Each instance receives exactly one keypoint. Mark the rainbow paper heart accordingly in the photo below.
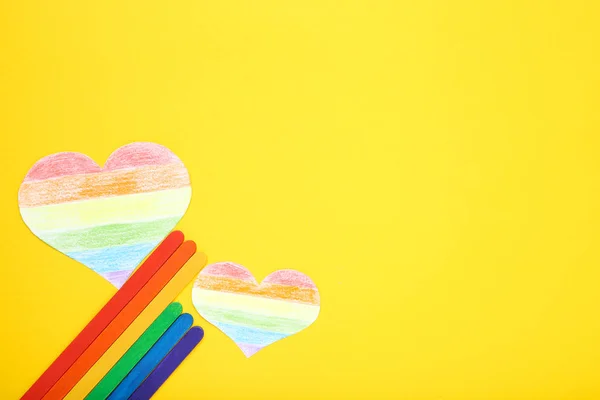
(253, 315)
(107, 218)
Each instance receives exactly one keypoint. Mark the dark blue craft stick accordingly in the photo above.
(145, 366)
(170, 363)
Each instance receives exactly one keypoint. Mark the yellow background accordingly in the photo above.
(432, 165)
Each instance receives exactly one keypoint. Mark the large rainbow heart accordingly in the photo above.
(107, 218)
(253, 315)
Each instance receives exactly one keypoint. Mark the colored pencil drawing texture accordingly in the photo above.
(253, 315)
(108, 218)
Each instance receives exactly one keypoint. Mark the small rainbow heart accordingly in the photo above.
(110, 218)
(252, 315)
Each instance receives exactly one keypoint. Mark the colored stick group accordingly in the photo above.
(136, 340)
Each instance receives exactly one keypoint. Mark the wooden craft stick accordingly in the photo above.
(121, 322)
(169, 364)
(114, 306)
(152, 358)
(135, 352)
(187, 274)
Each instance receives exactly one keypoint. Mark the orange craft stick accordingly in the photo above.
(114, 306)
(121, 322)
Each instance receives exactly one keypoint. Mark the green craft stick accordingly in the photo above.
(135, 353)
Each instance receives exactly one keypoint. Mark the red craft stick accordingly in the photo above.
(114, 306)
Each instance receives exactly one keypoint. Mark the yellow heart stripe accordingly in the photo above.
(187, 273)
